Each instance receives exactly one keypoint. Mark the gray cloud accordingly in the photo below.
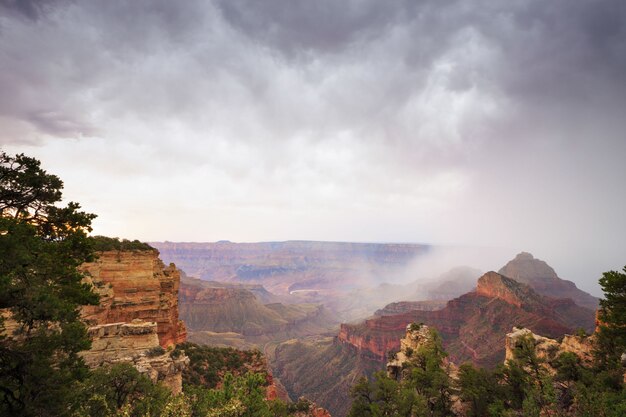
(496, 123)
(28, 9)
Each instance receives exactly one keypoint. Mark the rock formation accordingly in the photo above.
(544, 280)
(549, 349)
(136, 343)
(137, 319)
(416, 337)
(474, 325)
(136, 285)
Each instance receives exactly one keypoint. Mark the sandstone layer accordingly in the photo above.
(136, 343)
(136, 285)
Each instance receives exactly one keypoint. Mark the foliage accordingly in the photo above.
(104, 243)
(41, 247)
(479, 388)
(612, 332)
(155, 351)
(209, 364)
(108, 390)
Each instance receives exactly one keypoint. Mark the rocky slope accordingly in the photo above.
(473, 325)
(213, 310)
(543, 279)
(138, 314)
(322, 370)
(292, 266)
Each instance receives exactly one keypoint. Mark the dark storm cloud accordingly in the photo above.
(30, 9)
(314, 26)
(439, 119)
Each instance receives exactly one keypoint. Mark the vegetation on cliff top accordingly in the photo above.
(104, 243)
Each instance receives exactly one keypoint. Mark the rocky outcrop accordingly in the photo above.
(543, 279)
(416, 337)
(137, 319)
(549, 349)
(473, 326)
(493, 285)
(136, 343)
(136, 285)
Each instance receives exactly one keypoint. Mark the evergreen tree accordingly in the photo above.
(611, 343)
(41, 247)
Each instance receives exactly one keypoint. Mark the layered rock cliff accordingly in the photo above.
(543, 279)
(474, 325)
(136, 285)
(136, 343)
(137, 319)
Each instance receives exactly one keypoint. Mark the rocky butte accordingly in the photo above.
(137, 319)
(543, 279)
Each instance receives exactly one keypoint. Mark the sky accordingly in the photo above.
(480, 123)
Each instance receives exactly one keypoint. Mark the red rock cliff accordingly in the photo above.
(136, 285)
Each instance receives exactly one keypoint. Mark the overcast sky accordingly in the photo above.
(492, 123)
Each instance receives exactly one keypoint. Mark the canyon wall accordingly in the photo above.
(137, 319)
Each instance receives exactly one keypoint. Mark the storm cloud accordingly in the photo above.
(452, 122)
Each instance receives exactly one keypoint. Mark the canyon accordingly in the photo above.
(225, 314)
(293, 266)
(286, 298)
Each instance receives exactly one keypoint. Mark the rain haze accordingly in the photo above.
(483, 124)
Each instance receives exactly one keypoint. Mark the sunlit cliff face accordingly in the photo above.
(438, 122)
